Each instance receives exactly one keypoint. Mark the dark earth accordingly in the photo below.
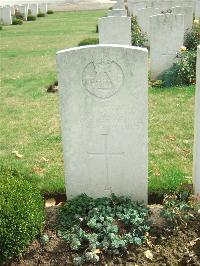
(164, 247)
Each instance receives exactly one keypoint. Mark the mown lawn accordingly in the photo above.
(29, 117)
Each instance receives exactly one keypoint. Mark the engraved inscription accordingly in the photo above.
(106, 154)
(103, 78)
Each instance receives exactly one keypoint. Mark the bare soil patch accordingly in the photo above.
(165, 247)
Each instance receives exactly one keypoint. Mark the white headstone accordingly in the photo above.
(34, 9)
(119, 5)
(6, 17)
(197, 10)
(196, 168)
(143, 18)
(117, 12)
(23, 10)
(133, 7)
(163, 5)
(104, 117)
(1, 14)
(43, 8)
(166, 38)
(115, 30)
(187, 12)
(185, 3)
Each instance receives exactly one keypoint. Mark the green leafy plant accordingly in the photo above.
(21, 213)
(192, 37)
(31, 18)
(89, 41)
(1, 27)
(138, 38)
(183, 72)
(17, 21)
(103, 225)
(49, 12)
(40, 15)
(178, 212)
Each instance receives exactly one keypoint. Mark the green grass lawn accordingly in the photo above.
(29, 117)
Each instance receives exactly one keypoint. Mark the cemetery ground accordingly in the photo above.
(30, 139)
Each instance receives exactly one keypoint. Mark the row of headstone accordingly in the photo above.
(135, 5)
(104, 107)
(116, 27)
(144, 14)
(165, 34)
(6, 12)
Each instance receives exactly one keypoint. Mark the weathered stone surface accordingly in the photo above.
(5, 15)
(117, 12)
(187, 12)
(134, 6)
(104, 99)
(43, 8)
(119, 5)
(115, 30)
(185, 3)
(166, 38)
(163, 5)
(143, 18)
(196, 168)
(197, 10)
(34, 9)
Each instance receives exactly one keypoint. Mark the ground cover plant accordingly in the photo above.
(95, 227)
(21, 213)
(85, 231)
(30, 138)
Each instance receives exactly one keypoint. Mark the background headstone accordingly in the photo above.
(104, 99)
(23, 10)
(163, 5)
(143, 18)
(117, 12)
(187, 12)
(6, 15)
(197, 10)
(133, 7)
(34, 9)
(119, 5)
(115, 30)
(166, 39)
(43, 8)
(196, 168)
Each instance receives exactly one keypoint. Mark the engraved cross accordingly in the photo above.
(106, 155)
